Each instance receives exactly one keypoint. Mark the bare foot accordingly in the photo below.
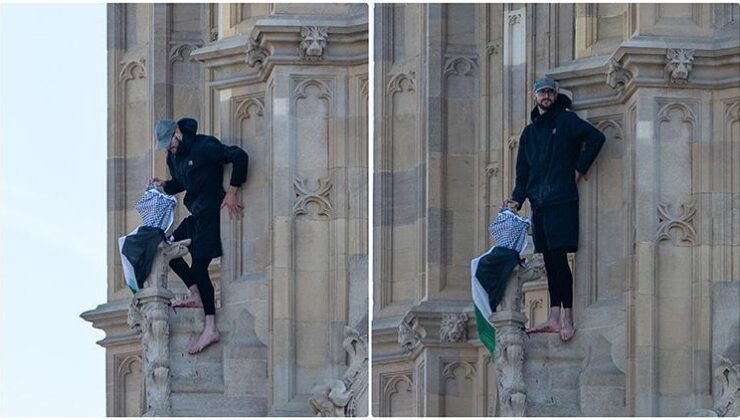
(567, 331)
(206, 339)
(191, 302)
(551, 326)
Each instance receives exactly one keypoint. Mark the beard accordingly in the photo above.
(546, 104)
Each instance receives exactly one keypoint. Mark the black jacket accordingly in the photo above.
(551, 149)
(198, 168)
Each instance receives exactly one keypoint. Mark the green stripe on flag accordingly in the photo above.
(486, 332)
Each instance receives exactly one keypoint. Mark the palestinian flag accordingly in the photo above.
(483, 311)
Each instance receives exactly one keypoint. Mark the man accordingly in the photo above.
(555, 152)
(196, 164)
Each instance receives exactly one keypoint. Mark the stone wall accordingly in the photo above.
(289, 84)
(659, 208)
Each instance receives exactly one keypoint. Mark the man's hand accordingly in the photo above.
(511, 204)
(155, 182)
(578, 176)
(231, 201)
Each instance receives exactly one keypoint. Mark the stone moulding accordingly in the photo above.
(648, 67)
(683, 221)
(453, 328)
(393, 385)
(305, 195)
(242, 108)
(679, 65)
(449, 368)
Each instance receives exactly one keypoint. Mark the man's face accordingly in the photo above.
(545, 98)
(175, 141)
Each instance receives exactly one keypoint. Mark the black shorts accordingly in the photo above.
(205, 232)
(555, 227)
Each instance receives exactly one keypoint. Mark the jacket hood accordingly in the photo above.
(561, 102)
(188, 127)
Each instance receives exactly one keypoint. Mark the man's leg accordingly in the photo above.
(180, 267)
(553, 319)
(565, 286)
(210, 333)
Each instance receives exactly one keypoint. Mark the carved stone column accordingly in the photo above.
(149, 315)
(509, 322)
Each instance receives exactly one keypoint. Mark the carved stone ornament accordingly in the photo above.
(727, 400)
(305, 195)
(682, 221)
(453, 328)
(213, 35)
(329, 398)
(617, 76)
(256, 55)
(493, 48)
(149, 314)
(680, 63)
(460, 65)
(133, 69)
(313, 42)
(407, 337)
(346, 397)
(182, 51)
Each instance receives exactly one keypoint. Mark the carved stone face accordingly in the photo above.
(313, 42)
(680, 64)
(453, 328)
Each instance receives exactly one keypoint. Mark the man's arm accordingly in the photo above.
(522, 175)
(593, 139)
(223, 154)
(172, 187)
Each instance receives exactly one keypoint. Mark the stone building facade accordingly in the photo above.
(289, 84)
(657, 277)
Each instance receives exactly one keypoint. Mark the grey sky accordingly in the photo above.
(52, 209)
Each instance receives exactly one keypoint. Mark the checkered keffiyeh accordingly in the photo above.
(156, 209)
(509, 230)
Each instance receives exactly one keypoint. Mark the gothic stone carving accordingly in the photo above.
(329, 398)
(727, 400)
(509, 353)
(407, 337)
(341, 398)
(453, 328)
(680, 63)
(682, 221)
(460, 65)
(182, 51)
(132, 69)
(256, 55)
(313, 43)
(304, 196)
(149, 315)
(617, 76)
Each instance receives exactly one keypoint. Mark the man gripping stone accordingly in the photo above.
(196, 164)
(555, 151)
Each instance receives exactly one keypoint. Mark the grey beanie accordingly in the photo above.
(164, 131)
(545, 83)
